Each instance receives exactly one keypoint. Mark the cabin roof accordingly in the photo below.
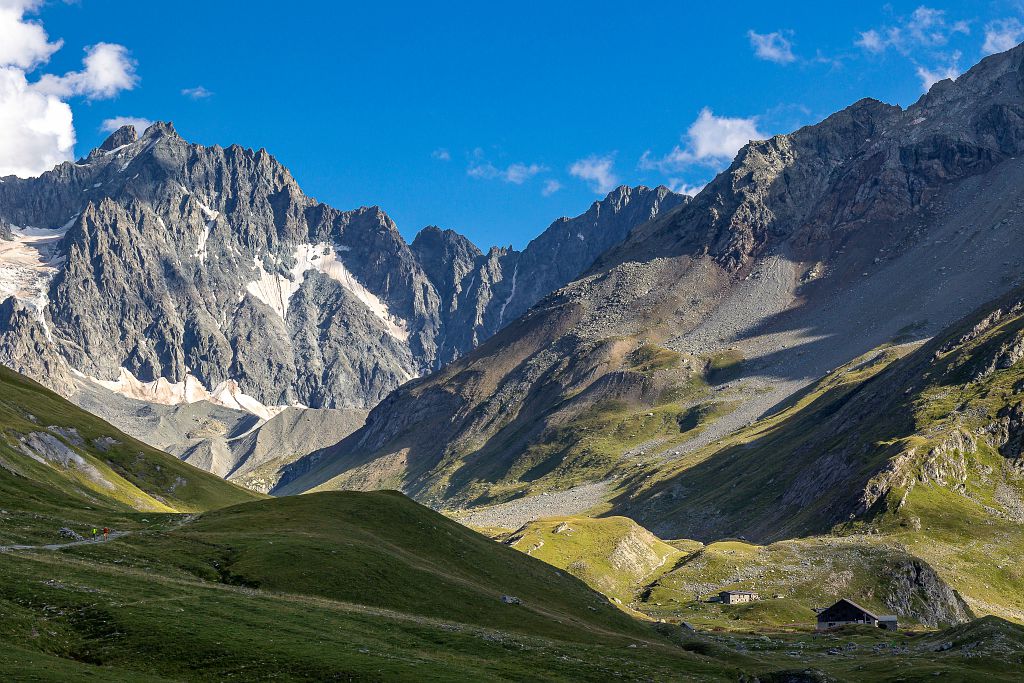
(855, 605)
(739, 592)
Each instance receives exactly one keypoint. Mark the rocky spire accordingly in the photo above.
(125, 135)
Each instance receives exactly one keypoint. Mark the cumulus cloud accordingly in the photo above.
(23, 43)
(37, 129)
(108, 70)
(551, 186)
(38, 132)
(441, 154)
(1002, 35)
(140, 124)
(517, 173)
(709, 140)
(773, 47)
(925, 27)
(197, 93)
(680, 186)
(597, 171)
(930, 77)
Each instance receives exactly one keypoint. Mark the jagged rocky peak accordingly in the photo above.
(125, 135)
(809, 250)
(185, 263)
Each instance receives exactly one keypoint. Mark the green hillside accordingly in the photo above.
(63, 467)
(372, 586)
(319, 587)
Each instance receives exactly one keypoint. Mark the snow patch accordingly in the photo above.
(276, 290)
(28, 263)
(191, 390)
(207, 211)
(201, 244)
(501, 314)
(272, 289)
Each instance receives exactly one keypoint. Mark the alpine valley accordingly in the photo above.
(329, 454)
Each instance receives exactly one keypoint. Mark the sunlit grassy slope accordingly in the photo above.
(61, 466)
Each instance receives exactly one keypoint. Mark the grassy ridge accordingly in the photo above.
(63, 467)
(319, 587)
(613, 555)
(198, 598)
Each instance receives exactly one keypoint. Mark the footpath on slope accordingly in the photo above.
(57, 546)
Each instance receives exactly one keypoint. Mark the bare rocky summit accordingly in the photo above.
(176, 272)
(878, 223)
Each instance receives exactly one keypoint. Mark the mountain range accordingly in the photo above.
(208, 271)
(877, 224)
(804, 383)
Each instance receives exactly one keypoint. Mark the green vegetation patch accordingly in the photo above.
(724, 367)
(650, 358)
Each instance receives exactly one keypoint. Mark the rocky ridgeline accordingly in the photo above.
(209, 264)
(809, 250)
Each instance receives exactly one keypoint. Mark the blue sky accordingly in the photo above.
(490, 118)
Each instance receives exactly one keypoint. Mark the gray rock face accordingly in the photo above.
(487, 291)
(916, 591)
(178, 260)
(26, 348)
(809, 250)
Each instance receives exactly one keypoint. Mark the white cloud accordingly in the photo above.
(516, 174)
(36, 123)
(1002, 35)
(710, 139)
(871, 41)
(441, 154)
(108, 71)
(551, 186)
(925, 27)
(597, 171)
(37, 130)
(140, 124)
(197, 93)
(520, 173)
(773, 47)
(680, 186)
(930, 77)
(23, 44)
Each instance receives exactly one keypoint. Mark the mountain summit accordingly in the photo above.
(878, 223)
(171, 271)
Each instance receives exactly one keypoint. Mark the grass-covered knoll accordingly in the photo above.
(724, 366)
(650, 358)
(320, 587)
(794, 577)
(613, 555)
(61, 466)
(379, 549)
(675, 582)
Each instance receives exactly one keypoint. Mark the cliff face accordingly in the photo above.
(208, 266)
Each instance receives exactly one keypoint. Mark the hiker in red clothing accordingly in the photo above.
(106, 531)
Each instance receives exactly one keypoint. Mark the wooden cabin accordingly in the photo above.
(736, 597)
(847, 612)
